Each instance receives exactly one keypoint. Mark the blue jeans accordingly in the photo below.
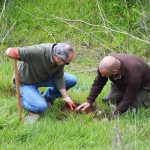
(31, 98)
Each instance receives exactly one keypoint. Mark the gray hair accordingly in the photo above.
(62, 50)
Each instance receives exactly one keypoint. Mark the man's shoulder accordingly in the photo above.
(121, 55)
(37, 46)
(43, 45)
(128, 58)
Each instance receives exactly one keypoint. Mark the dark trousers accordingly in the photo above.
(115, 96)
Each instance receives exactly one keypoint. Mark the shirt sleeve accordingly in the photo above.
(133, 86)
(28, 52)
(59, 79)
(97, 87)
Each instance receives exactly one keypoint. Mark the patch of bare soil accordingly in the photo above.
(97, 114)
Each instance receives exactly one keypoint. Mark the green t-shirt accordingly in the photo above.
(37, 65)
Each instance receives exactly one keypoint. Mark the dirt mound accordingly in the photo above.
(97, 113)
(66, 108)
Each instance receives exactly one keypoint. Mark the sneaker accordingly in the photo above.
(31, 118)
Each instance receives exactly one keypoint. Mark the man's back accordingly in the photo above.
(133, 68)
(37, 64)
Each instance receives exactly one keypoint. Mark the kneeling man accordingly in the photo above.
(130, 78)
(42, 65)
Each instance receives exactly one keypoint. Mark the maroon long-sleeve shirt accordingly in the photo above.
(135, 74)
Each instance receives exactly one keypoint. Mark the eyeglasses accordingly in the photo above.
(66, 63)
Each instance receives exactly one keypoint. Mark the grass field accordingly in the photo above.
(56, 130)
(95, 28)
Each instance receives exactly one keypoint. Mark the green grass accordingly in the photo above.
(37, 22)
(56, 130)
(46, 21)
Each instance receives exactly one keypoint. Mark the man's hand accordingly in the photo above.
(69, 103)
(12, 53)
(83, 106)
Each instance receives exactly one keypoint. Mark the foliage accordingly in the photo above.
(95, 28)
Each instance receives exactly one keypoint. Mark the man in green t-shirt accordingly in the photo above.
(42, 65)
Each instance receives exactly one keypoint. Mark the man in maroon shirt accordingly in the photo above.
(130, 78)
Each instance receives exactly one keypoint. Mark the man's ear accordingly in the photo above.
(56, 59)
(115, 72)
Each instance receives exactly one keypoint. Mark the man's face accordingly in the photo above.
(65, 62)
(69, 59)
(106, 73)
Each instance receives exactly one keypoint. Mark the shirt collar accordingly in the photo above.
(51, 51)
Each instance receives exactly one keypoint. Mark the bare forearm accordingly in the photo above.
(65, 96)
(12, 53)
(63, 93)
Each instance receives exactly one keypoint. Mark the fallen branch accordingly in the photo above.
(63, 20)
(106, 25)
(2, 12)
(110, 29)
(8, 32)
(82, 21)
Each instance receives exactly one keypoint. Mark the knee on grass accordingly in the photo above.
(39, 108)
